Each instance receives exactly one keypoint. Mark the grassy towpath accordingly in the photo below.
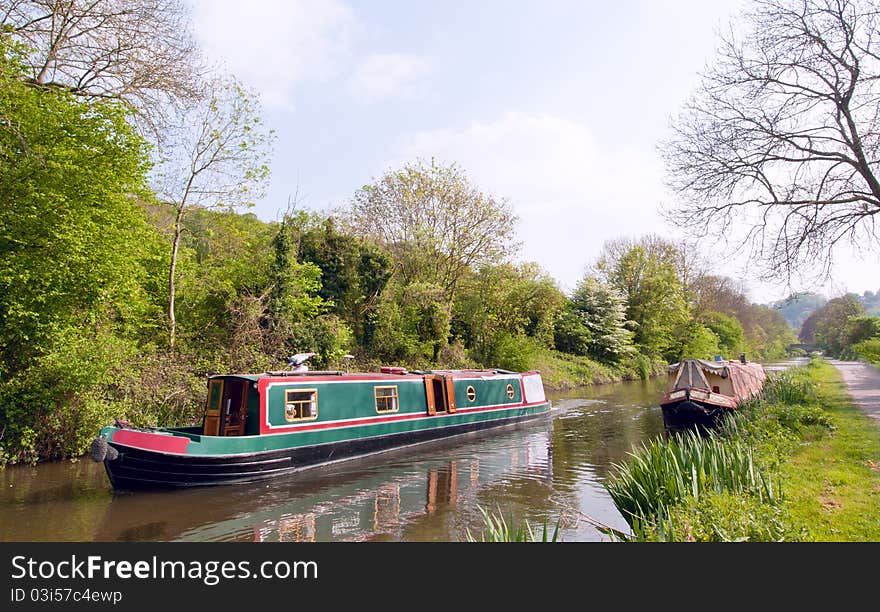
(833, 483)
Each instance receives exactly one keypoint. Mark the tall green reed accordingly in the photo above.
(498, 529)
(664, 471)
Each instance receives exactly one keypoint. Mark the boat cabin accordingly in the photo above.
(731, 378)
(280, 402)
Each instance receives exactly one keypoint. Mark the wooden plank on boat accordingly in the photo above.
(429, 393)
(450, 394)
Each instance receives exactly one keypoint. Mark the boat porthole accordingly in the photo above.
(510, 392)
(471, 394)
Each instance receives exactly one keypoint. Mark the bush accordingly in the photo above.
(790, 387)
(797, 418)
(869, 350)
(570, 335)
(511, 352)
(52, 409)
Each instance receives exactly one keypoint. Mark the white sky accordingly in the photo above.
(555, 105)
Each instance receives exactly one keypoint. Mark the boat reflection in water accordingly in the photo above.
(401, 505)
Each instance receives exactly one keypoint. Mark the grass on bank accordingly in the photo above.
(801, 463)
(562, 371)
(833, 482)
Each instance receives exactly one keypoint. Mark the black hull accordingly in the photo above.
(144, 469)
(689, 414)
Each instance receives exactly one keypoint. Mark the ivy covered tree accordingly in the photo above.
(354, 273)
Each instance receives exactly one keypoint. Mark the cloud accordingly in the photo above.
(274, 44)
(571, 192)
(385, 74)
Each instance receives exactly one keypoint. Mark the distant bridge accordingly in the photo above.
(808, 348)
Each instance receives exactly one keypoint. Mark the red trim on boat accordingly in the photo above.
(150, 441)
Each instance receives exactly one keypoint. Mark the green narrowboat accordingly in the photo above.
(260, 426)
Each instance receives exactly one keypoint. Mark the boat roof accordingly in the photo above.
(715, 367)
(331, 374)
(704, 364)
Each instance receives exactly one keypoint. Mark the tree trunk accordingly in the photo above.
(172, 322)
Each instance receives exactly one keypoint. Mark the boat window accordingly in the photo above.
(386, 399)
(301, 405)
(510, 392)
(215, 394)
(471, 394)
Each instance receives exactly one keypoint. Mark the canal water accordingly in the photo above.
(550, 470)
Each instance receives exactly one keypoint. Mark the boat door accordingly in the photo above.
(234, 407)
(211, 425)
(226, 408)
(440, 393)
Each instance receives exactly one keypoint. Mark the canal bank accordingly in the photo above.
(563, 372)
(800, 464)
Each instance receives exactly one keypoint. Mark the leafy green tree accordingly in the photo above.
(216, 158)
(868, 350)
(766, 334)
(224, 274)
(76, 253)
(697, 341)
(570, 333)
(860, 329)
(646, 272)
(828, 326)
(413, 324)
(602, 310)
(728, 331)
(435, 222)
(505, 301)
(863, 334)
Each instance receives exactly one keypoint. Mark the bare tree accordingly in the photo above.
(782, 136)
(137, 51)
(217, 158)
